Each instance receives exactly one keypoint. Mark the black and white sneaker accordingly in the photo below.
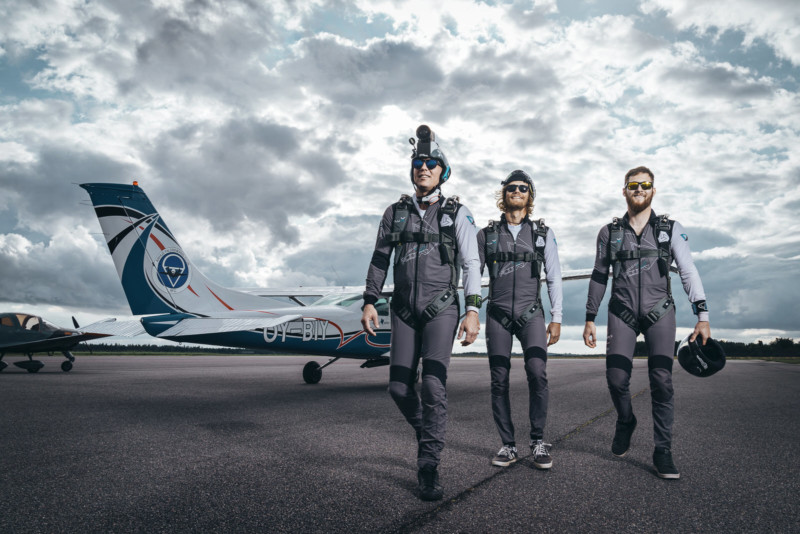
(506, 456)
(541, 454)
(665, 467)
(622, 438)
(429, 487)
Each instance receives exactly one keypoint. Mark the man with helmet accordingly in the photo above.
(433, 238)
(641, 247)
(514, 249)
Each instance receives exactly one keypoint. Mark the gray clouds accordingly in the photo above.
(271, 137)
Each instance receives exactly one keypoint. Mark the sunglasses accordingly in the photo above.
(633, 186)
(512, 188)
(418, 163)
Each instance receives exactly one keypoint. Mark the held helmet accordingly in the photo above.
(520, 176)
(701, 360)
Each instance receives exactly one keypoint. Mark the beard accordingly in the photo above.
(637, 206)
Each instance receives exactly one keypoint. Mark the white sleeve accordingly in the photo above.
(468, 257)
(552, 269)
(690, 277)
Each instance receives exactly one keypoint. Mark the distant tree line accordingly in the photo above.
(779, 347)
(111, 348)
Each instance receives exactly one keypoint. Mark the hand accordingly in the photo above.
(471, 326)
(370, 314)
(702, 329)
(553, 333)
(590, 335)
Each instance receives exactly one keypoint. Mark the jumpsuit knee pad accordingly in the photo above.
(500, 367)
(660, 373)
(618, 373)
(400, 382)
(432, 368)
(535, 362)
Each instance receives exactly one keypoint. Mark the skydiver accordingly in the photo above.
(641, 246)
(433, 238)
(514, 249)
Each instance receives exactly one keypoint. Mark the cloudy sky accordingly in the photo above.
(271, 136)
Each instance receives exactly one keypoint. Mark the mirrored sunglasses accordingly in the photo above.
(430, 163)
(514, 187)
(633, 186)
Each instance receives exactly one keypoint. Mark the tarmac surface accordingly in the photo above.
(242, 444)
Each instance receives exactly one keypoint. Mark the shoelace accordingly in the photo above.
(507, 451)
(540, 449)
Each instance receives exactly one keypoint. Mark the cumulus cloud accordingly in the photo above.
(272, 137)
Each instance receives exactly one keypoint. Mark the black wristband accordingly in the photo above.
(473, 300)
(699, 306)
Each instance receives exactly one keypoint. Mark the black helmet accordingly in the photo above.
(701, 360)
(520, 176)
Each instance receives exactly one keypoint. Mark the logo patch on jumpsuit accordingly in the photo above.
(663, 237)
(540, 242)
(446, 220)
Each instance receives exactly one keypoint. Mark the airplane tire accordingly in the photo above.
(312, 374)
(66, 366)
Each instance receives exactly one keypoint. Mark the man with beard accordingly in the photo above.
(641, 247)
(515, 249)
(433, 238)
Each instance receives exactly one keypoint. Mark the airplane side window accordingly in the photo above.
(31, 323)
(6, 321)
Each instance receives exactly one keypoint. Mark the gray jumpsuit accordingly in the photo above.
(419, 277)
(514, 291)
(639, 287)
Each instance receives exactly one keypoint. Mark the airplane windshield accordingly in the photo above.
(338, 300)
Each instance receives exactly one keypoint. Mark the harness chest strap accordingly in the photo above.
(494, 258)
(447, 250)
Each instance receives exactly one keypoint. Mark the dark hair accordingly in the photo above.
(639, 170)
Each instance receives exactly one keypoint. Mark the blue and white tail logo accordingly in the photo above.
(172, 270)
(155, 272)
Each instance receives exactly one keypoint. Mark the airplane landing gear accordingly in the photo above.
(67, 365)
(312, 372)
(32, 366)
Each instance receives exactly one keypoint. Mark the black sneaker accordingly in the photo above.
(429, 487)
(541, 454)
(506, 456)
(622, 438)
(665, 468)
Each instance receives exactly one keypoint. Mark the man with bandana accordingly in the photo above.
(433, 238)
(641, 247)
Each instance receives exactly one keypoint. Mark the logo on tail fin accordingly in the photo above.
(172, 270)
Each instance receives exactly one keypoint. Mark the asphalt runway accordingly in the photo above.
(242, 444)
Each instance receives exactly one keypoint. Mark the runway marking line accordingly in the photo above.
(419, 521)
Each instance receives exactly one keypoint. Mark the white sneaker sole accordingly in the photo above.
(503, 463)
(668, 476)
(543, 466)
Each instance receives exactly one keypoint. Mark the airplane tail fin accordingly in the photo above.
(155, 272)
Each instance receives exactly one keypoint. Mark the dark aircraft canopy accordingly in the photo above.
(33, 323)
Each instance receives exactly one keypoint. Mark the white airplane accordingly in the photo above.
(180, 304)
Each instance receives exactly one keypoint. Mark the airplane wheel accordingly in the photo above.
(66, 366)
(312, 373)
